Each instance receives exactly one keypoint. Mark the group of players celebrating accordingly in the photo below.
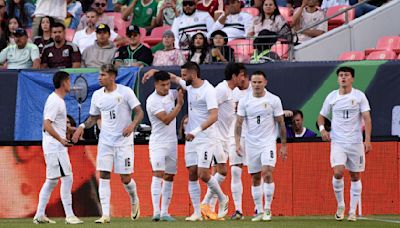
(238, 119)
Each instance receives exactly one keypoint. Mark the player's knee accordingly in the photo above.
(204, 176)
(168, 177)
(355, 176)
(126, 178)
(256, 179)
(338, 175)
(105, 175)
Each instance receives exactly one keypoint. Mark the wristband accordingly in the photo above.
(82, 125)
(321, 128)
(196, 131)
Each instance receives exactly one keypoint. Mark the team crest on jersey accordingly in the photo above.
(50, 55)
(119, 99)
(40, 45)
(65, 53)
(265, 105)
(149, 11)
(353, 102)
(196, 19)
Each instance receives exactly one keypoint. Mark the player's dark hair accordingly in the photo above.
(346, 69)
(59, 78)
(58, 25)
(259, 72)
(297, 112)
(161, 76)
(192, 66)
(231, 69)
(109, 68)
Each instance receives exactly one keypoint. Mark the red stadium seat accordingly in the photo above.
(251, 10)
(242, 46)
(156, 35)
(285, 12)
(398, 57)
(69, 34)
(281, 49)
(391, 43)
(340, 19)
(382, 55)
(119, 24)
(352, 56)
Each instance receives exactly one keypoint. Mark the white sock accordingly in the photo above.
(269, 194)
(105, 195)
(338, 188)
(44, 196)
(66, 195)
(355, 194)
(213, 202)
(256, 192)
(156, 194)
(215, 188)
(131, 190)
(166, 196)
(195, 192)
(237, 187)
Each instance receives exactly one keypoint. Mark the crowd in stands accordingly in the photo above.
(71, 33)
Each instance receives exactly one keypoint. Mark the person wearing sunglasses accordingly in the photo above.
(189, 23)
(100, 7)
(141, 13)
(57, 9)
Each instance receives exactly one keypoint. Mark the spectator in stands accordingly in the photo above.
(86, 37)
(221, 52)
(233, 22)
(198, 49)
(44, 36)
(188, 23)
(102, 51)
(167, 11)
(74, 12)
(169, 56)
(60, 53)
(360, 10)
(262, 47)
(141, 13)
(293, 4)
(23, 10)
(99, 6)
(296, 129)
(270, 19)
(134, 54)
(21, 55)
(57, 9)
(8, 35)
(3, 16)
(214, 7)
(308, 14)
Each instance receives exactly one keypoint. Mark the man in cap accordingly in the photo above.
(169, 56)
(22, 54)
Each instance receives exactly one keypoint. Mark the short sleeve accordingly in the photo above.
(155, 107)
(278, 109)
(131, 98)
(241, 110)
(50, 110)
(364, 104)
(221, 95)
(119, 54)
(182, 83)
(3, 55)
(174, 93)
(94, 110)
(326, 107)
(76, 54)
(211, 99)
(44, 58)
(34, 52)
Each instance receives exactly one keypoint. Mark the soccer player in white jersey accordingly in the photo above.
(200, 136)
(58, 165)
(261, 110)
(114, 103)
(162, 112)
(347, 107)
(226, 115)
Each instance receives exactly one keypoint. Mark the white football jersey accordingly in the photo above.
(160, 132)
(259, 114)
(55, 111)
(115, 109)
(236, 25)
(200, 100)
(238, 94)
(346, 113)
(226, 110)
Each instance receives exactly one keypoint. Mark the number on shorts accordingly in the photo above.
(345, 114)
(258, 119)
(272, 154)
(361, 160)
(205, 155)
(128, 162)
(112, 114)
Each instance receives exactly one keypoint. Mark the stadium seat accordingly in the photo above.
(340, 19)
(242, 46)
(69, 34)
(251, 10)
(382, 55)
(156, 35)
(352, 56)
(391, 43)
(119, 24)
(285, 12)
(281, 49)
(398, 57)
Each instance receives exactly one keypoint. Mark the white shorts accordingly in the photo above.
(234, 158)
(351, 155)
(199, 152)
(221, 152)
(163, 157)
(57, 164)
(259, 156)
(122, 157)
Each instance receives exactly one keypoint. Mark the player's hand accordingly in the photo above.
(179, 99)
(77, 135)
(325, 135)
(66, 143)
(148, 75)
(189, 137)
(368, 146)
(287, 113)
(128, 130)
(238, 150)
(283, 152)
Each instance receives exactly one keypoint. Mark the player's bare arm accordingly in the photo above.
(368, 129)
(324, 133)
(212, 118)
(282, 129)
(174, 78)
(49, 129)
(167, 118)
(138, 118)
(90, 122)
(238, 133)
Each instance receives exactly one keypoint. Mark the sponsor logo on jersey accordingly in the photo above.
(65, 53)
(50, 55)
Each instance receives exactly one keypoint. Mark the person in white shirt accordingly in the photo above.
(348, 107)
(162, 112)
(57, 9)
(114, 104)
(226, 115)
(200, 136)
(55, 144)
(261, 110)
